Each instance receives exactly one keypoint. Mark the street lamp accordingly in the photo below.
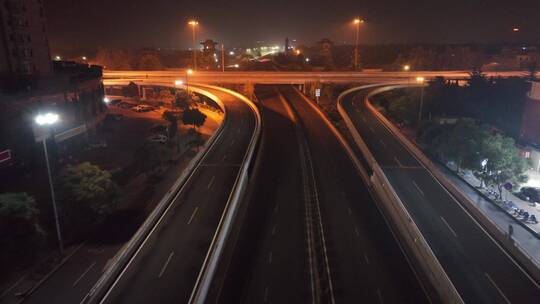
(421, 81)
(357, 23)
(49, 119)
(406, 67)
(194, 24)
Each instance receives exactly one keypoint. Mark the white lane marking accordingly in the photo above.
(274, 230)
(397, 161)
(84, 273)
(349, 209)
(497, 287)
(193, 215)
(418, 188)
(382, 142)
(379, 295)
(270, 258)
(211, 182)
(449, 228)
(356, 231)
(266, 294)
(166, 264)
(366, 258)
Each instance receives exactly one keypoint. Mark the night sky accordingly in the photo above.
(162, 23)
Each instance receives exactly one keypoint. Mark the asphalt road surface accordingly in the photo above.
(167, 265)
(366, 263)
(480, 269)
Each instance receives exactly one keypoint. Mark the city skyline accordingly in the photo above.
(80, 25)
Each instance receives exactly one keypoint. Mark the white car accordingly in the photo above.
(159, 138)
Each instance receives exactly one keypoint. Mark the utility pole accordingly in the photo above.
(193, 24)
(222, 57)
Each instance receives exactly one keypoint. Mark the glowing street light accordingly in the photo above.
(57, 58)
(49, 119)
(237, 65)
(193, 24)
(178, 82)
(420, 79)
(297, 52)
(106, 100)
(357, 22)
(83, 58)
(406, 67)
(231, 53)
(515, 30)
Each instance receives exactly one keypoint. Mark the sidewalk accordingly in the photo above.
(522, 237)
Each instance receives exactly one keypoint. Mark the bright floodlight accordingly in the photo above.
(57, 58)
(358, 21)
(46, 119)
(406, 67)
(83, 57)
(106, 100)
(516, 29)
(193, 22)
(307, 59)
(297, 52)
(178, 82)
(231, 53)
(190, 71)
(237, 65)
(420, 79)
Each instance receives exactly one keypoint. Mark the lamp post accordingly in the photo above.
(357, 23)
(421, 81)
(407, 68)
(188, 72)
(50, 119)
(194, 24)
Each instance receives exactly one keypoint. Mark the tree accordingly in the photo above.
(20, 232)
(181, 100)
(149, 62)
(193, 117)
(151, 156)
(173, 123)
(503, 162)
(87, 191)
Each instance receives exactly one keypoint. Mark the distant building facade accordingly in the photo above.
(24, 49)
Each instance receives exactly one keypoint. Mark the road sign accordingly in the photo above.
(508, 186)
(5, 155)
(318, 92)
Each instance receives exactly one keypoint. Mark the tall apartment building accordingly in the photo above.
(24, 48)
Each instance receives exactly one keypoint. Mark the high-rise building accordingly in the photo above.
(24, 48)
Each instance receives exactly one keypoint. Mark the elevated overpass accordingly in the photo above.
(271, 77)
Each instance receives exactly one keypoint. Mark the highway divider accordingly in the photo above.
(126, 253)
(494, 231)
(208, 271)
(409, 234)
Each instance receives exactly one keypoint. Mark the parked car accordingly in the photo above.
(125, 105)
(158, 128)
(142, 108)
(97, 144)
(159, 138)
(113, 117)
(532, 193)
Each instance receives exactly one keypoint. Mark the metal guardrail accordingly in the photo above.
(206, 275)
(127, 252)
(393, 205)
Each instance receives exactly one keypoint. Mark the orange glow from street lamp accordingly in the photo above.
(406, 67)
(420, 79)
(516, 29)
(193, 22)
(358, 21)
(190, 71)
(297, 52)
